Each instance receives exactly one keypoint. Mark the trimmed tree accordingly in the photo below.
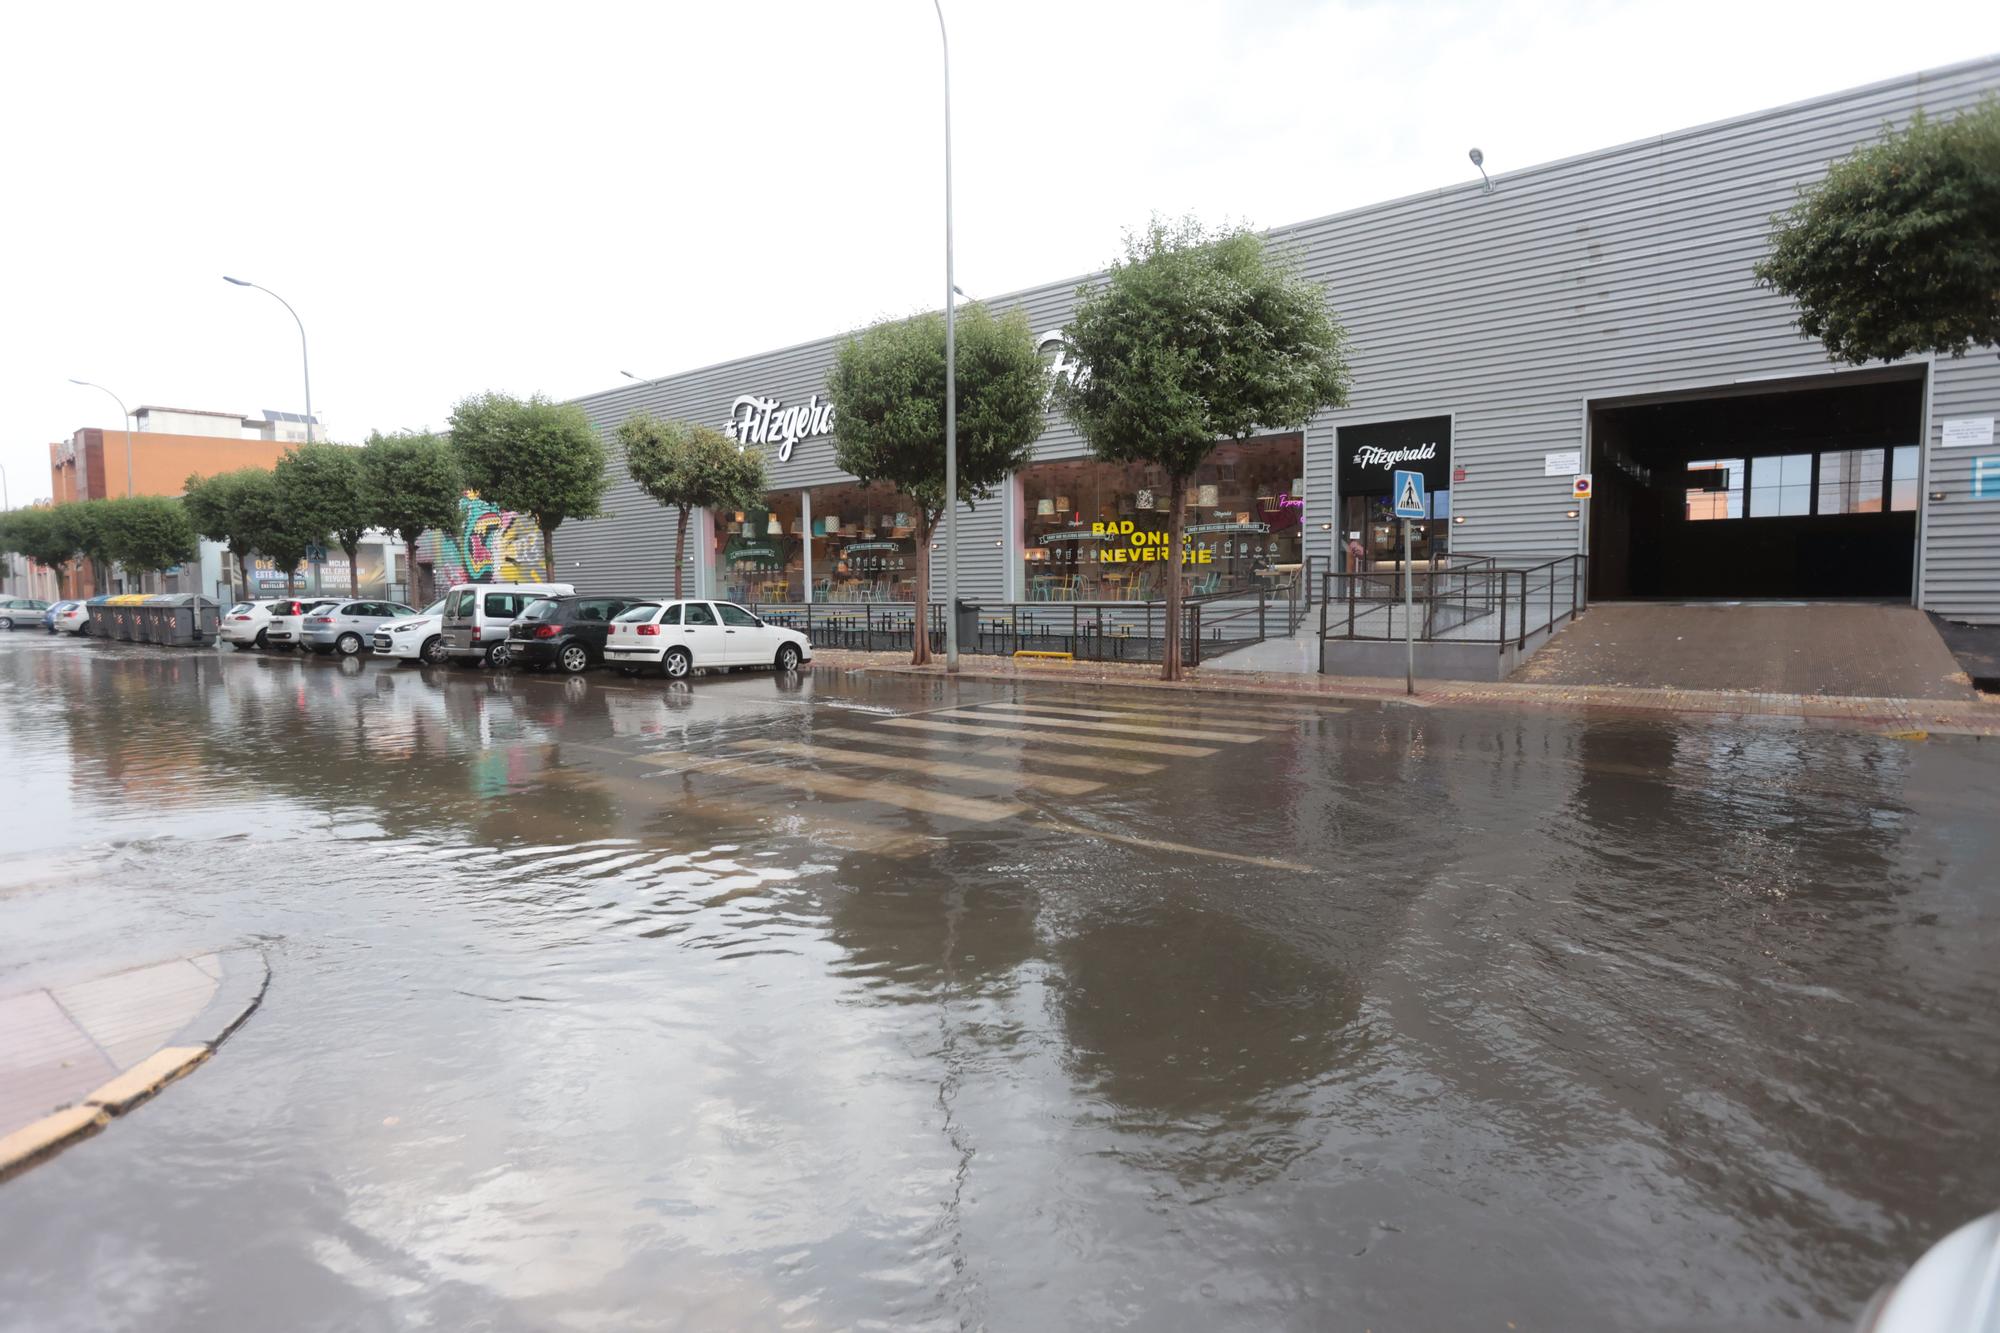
(320, 484)
(412, 484)
(887, 387)
(533, 457)
(1195, 337)
(81, 525)
(148, 533)
(35, 534)
(217, 507)
(1897, 250)
(685, 467)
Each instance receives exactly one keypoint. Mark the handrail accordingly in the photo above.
(1482, 599)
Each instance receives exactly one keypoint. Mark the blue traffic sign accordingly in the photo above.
(1409, 494)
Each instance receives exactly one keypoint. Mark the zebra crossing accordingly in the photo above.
(1034, 761)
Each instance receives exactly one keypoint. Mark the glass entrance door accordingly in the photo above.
(1374, 517)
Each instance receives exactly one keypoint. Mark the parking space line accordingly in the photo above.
(1078, 830)
(978, 811)
(1044, 738)
(1126, 728)
(1083, 761)
(1052, 783)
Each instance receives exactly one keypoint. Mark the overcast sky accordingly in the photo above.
(536, 197)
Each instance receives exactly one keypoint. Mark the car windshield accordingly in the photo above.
(637, 615)
(239, 608)
(435, 608)
(545, 609)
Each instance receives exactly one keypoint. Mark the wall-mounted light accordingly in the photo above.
(1458, 518)
(1326, 527)
(1479, 160)
(1937, 495)
(1573, 513)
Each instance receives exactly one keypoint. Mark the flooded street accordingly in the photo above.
(825, 1001)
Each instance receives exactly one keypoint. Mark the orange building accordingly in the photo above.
(91, 464)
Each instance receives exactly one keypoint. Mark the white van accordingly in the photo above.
(477, 617)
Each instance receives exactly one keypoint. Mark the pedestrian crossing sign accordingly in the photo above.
(1410, 495)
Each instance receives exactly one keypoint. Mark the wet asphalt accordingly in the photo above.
(824, 1001)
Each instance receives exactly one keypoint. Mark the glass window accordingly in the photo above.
(1781, 485)
(641, 614)
(860, 542)
(697, 613)
(507, 604)
(1850, 482)
(1094, 531)
(542, 608)
(1715, 489)
(1903, 478)
(736, 616)
(671, 616)
(591, 611)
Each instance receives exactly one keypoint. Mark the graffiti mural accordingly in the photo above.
(491, 546)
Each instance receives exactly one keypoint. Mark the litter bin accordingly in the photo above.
(125, 617)
(98, 617)
(186, 620)
(153, 619)
(968, 625)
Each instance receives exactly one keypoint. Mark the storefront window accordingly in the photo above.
(859, 541)
(1094, 531)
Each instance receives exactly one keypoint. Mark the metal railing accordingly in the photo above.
(1479, 599)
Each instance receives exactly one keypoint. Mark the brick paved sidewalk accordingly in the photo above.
(1979, 717)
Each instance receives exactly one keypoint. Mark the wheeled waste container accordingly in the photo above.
(187, 620)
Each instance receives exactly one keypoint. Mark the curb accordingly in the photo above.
(238, 994)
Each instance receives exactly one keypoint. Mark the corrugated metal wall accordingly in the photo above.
(1619, 273)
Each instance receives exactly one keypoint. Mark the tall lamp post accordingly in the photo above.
(304, 360)
(950, 380)
(88, 384)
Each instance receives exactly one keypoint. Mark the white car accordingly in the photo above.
(71, 618)
(243, 624)
(681, 637)
(417, 638)
(286, 626)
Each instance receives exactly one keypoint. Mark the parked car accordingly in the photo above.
(55, 609)
(566, 632)
(347, 627)
(244, 623)
(71, 618)
(681, 637)
(415, 638)
(478, 616)
(20, 611)
(286, 627)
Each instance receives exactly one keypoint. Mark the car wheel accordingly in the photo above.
(263, 640)
(677, 664)
(788, 657)
(349, 644)
(499, 655)
(575, 659)
(6, 622)
(433, 653)
(83, 630)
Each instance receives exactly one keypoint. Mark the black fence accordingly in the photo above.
(1113, 631)
(1478, 599)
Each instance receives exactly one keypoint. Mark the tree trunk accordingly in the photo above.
(548, 545)
(920, 632)
(353, 569)
(680, 549)
(243, 568)
(413, 572)
(1170, 652)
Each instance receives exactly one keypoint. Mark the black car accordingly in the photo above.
(565, 632)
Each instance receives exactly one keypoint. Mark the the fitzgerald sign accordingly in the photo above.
(756, 419)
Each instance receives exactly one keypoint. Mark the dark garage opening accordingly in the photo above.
(1800, 493)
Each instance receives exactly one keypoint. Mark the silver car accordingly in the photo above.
(347, 627)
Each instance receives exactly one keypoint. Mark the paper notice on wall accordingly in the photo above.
(1566, 464)
(1967, 431)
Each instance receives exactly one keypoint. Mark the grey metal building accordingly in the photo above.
(1596, 314)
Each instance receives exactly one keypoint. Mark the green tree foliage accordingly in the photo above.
(887, 386)
(531, 456)
(412, 484)
(147, 533)
(1897, 250)
(320, 484)
(684, 467)
(36, 534)
(82, 529)
(1196, 336)
(219, 509)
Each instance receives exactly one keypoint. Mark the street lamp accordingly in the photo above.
(303, 358)
(128, 428)
(950, 381)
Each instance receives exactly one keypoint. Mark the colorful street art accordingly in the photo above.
(490, 546)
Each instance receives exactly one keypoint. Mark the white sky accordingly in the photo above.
(535, 197)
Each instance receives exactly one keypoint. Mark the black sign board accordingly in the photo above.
(1371, 455)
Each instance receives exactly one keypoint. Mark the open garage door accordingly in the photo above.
(1805, 492)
